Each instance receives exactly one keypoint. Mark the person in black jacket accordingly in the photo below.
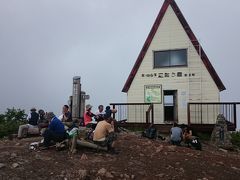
(31, 127)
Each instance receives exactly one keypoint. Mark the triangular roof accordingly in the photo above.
(191, 36)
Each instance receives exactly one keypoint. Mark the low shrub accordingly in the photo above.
(236, 138)
(11, 120)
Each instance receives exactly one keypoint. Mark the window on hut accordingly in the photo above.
(170, 58)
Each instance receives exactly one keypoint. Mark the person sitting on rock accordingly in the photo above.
(151, 133)
(88, 115)
(31, 127)
(104, 134)
(100, 113)
(42, 122)
(187, 135)
(66, 117)
(190, 140)
(176, 134)
(109, 112)
(55, 131)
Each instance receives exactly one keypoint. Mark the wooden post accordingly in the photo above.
(235, 115)
(152, 113)
(113, 113)
(188, 114)
(147, 117)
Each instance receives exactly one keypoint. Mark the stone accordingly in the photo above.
(223, 150)
(132, 176)
(221, 137)
(160, 175)
(126, 176)
(181, 170)
(177, 163)
(159, 149)
(171, 148)
(2, 165)
(108, 175)
(101, 172)
(17, 144)
(235, 168)
(15, 165)
(82, 173)
(5, 153)
(84, 157)
(13, 155)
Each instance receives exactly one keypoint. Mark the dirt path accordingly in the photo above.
(138, 159)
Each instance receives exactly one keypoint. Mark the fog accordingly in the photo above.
(43, 44)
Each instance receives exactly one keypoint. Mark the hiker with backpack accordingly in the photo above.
(31, 127)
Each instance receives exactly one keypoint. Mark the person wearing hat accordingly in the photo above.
(88, 115)
(55, 131)
(31, 127)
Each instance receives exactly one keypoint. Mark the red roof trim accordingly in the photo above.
(190, 34)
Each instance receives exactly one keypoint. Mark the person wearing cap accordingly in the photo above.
(55, 131)
(31, 127)
(88, 115)
(42, 122)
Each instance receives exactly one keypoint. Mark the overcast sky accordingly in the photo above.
(44, 43)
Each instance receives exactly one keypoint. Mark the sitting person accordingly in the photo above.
(187, 135)
(66, 117)
(176, 134)
(150, 132)
(31, 127)
(55, 131)
(42, 122)
(191, 140)
(100, 113)
(88, 115)
(109, 112)
(104, 134)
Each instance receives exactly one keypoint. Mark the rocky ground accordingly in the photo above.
(138, 159)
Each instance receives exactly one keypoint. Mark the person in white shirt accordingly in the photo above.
(100, 113)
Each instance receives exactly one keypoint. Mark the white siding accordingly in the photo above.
(199, 88)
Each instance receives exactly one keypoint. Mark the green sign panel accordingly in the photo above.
(153, 94)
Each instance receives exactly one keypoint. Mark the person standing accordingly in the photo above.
(31, 127)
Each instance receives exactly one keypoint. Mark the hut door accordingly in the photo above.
(170, 105)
